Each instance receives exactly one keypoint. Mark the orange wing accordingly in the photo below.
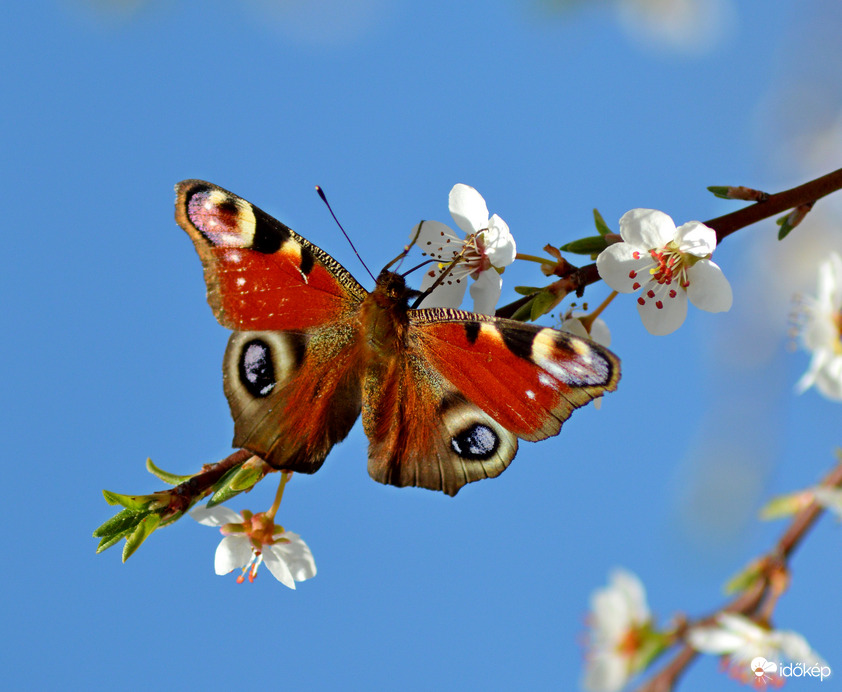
(448, 409)
(527, 378)
(260, 274)
(294, 395)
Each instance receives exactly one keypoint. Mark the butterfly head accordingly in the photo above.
(392, 290)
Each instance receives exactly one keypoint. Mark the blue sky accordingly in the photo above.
(113, 356)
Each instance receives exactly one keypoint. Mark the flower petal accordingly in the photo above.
(600, 332)
(486, 291)
(448, 294)
(709, 289)
(297, 556)
(829, 378)
(714, 640)
(830, 283)
(618, 267)
(277, 566)
(573, 325)
(829, 498)
(646, 229)
(696, 239)
(662, 313)
(437, 240)
(631, 588)
(605, 672)
(215, 516)
(232, 552)
(500, 245)
(468, 208)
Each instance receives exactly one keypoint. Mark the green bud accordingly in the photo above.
(746, 578)
(600, 224)
(785, 227)
(721, 191)
(592, 245)
(234, 482)
(542, 304)
(165, 476)
(133, 502)
(528, 290)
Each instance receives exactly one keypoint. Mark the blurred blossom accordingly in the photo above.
(688, 26)
(668, 265)
(829, 498)
(820, 332)
(324, 22)
(487, 247)
(742, 641)
(619, 624)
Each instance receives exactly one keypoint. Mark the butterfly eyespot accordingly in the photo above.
(478, 442)
(257, 371)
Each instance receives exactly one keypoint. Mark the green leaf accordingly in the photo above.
(142, 531)
(118, 522)
(528, 290)
(591, 245)
(107, 542)
(746, 578)
(601, 226)
(133, 502)
(783, 222)
(523, 313)
(223, 489)
(165, 476)
(542, 304)
(720, 191)
(785, 505)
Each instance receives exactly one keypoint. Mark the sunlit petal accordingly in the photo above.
(468, 208)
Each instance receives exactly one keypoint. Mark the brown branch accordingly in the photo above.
(199, 485)
(724, 226)
(750, 601)
(776, 204)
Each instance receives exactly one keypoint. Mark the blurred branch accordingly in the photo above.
(752, 601)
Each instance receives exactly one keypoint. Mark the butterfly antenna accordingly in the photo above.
(347, 237)
(407, 248)
(437, 282)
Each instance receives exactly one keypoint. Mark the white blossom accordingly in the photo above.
(252, 539)
(820, 332)
(668, 265)
(743, 641)
(488, 246)
(619, 622)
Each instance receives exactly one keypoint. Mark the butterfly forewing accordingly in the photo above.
(260, 274)
(528, 378)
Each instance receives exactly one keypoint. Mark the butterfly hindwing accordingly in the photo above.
(424, 433)
(260, 274)
(293, 395)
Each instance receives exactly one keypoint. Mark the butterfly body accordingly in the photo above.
(444, 394)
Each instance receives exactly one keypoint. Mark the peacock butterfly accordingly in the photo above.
(444, 394)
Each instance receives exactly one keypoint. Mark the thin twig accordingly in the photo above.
(748, 602)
